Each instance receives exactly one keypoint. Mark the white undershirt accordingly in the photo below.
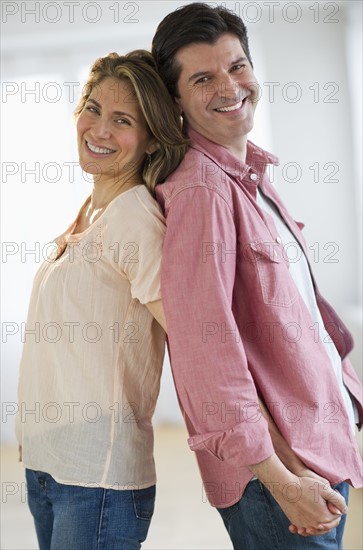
(300, 272)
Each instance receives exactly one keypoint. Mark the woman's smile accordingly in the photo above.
(99, 150)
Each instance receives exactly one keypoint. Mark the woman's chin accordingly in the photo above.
(91, 167)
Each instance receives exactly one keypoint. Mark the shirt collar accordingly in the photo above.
(256, 157)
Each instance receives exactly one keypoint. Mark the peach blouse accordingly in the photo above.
(93, 353)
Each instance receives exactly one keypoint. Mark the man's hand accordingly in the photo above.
(295, 466)
(317, 510)
(335, 503)
(20, 453)
(307, 508)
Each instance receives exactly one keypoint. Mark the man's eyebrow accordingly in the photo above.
(199, 74)
(120, 113)
(239, 60)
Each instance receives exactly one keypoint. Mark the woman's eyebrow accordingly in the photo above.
(122, 113)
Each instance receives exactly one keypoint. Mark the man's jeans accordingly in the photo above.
(257, 522)
(69, 517)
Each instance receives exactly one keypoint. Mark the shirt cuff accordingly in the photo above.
(241, 444)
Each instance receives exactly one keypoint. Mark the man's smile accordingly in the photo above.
(230, 107)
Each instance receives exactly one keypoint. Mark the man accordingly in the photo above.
(270, 414)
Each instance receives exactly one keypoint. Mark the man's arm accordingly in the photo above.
(209, 363)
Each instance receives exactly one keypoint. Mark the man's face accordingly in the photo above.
(218, 91)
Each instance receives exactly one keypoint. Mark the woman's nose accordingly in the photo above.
(101, 128)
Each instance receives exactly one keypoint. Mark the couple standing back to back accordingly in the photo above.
(225, 268)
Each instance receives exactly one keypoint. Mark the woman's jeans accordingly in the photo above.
(257, 522)
(70, 517)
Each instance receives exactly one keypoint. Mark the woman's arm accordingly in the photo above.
(157, 311)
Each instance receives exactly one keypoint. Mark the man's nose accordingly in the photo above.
(227, 87)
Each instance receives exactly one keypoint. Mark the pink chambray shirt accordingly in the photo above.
(238, 328)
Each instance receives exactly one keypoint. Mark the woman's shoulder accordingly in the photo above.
(136, 206)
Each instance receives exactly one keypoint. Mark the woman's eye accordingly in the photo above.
(123, 121)
(92, 109)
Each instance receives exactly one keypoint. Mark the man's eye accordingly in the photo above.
(201, 80)
(239, 67)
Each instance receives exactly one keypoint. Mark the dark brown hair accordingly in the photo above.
(158, 108)
(191, 24)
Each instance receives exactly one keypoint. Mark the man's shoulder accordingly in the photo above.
(195, 170)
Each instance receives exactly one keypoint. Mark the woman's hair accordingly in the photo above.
(159, 110)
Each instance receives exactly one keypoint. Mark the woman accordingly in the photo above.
(89, 383)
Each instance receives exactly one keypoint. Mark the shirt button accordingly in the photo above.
(278, 240)
(253, 177)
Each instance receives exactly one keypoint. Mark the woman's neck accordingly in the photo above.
(104, 191)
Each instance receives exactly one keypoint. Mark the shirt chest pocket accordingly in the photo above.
(277, 286)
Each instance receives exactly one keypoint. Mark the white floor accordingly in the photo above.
(183, 519)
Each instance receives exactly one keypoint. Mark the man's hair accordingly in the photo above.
(192, 24)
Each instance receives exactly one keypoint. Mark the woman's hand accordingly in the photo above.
(20, 453)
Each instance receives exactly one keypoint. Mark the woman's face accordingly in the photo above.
(113, 136)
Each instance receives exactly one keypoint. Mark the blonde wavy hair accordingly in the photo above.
(159, 110)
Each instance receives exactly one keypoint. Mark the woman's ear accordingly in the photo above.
(177, 101)
(152, 147)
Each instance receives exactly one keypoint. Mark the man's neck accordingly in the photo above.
(237, 149)
(240, 151)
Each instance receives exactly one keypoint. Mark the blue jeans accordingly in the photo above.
(257, 522)
(70, 517)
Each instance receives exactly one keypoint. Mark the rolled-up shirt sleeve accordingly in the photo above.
(215, 388)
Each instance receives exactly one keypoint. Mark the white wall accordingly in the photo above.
(319, 50)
